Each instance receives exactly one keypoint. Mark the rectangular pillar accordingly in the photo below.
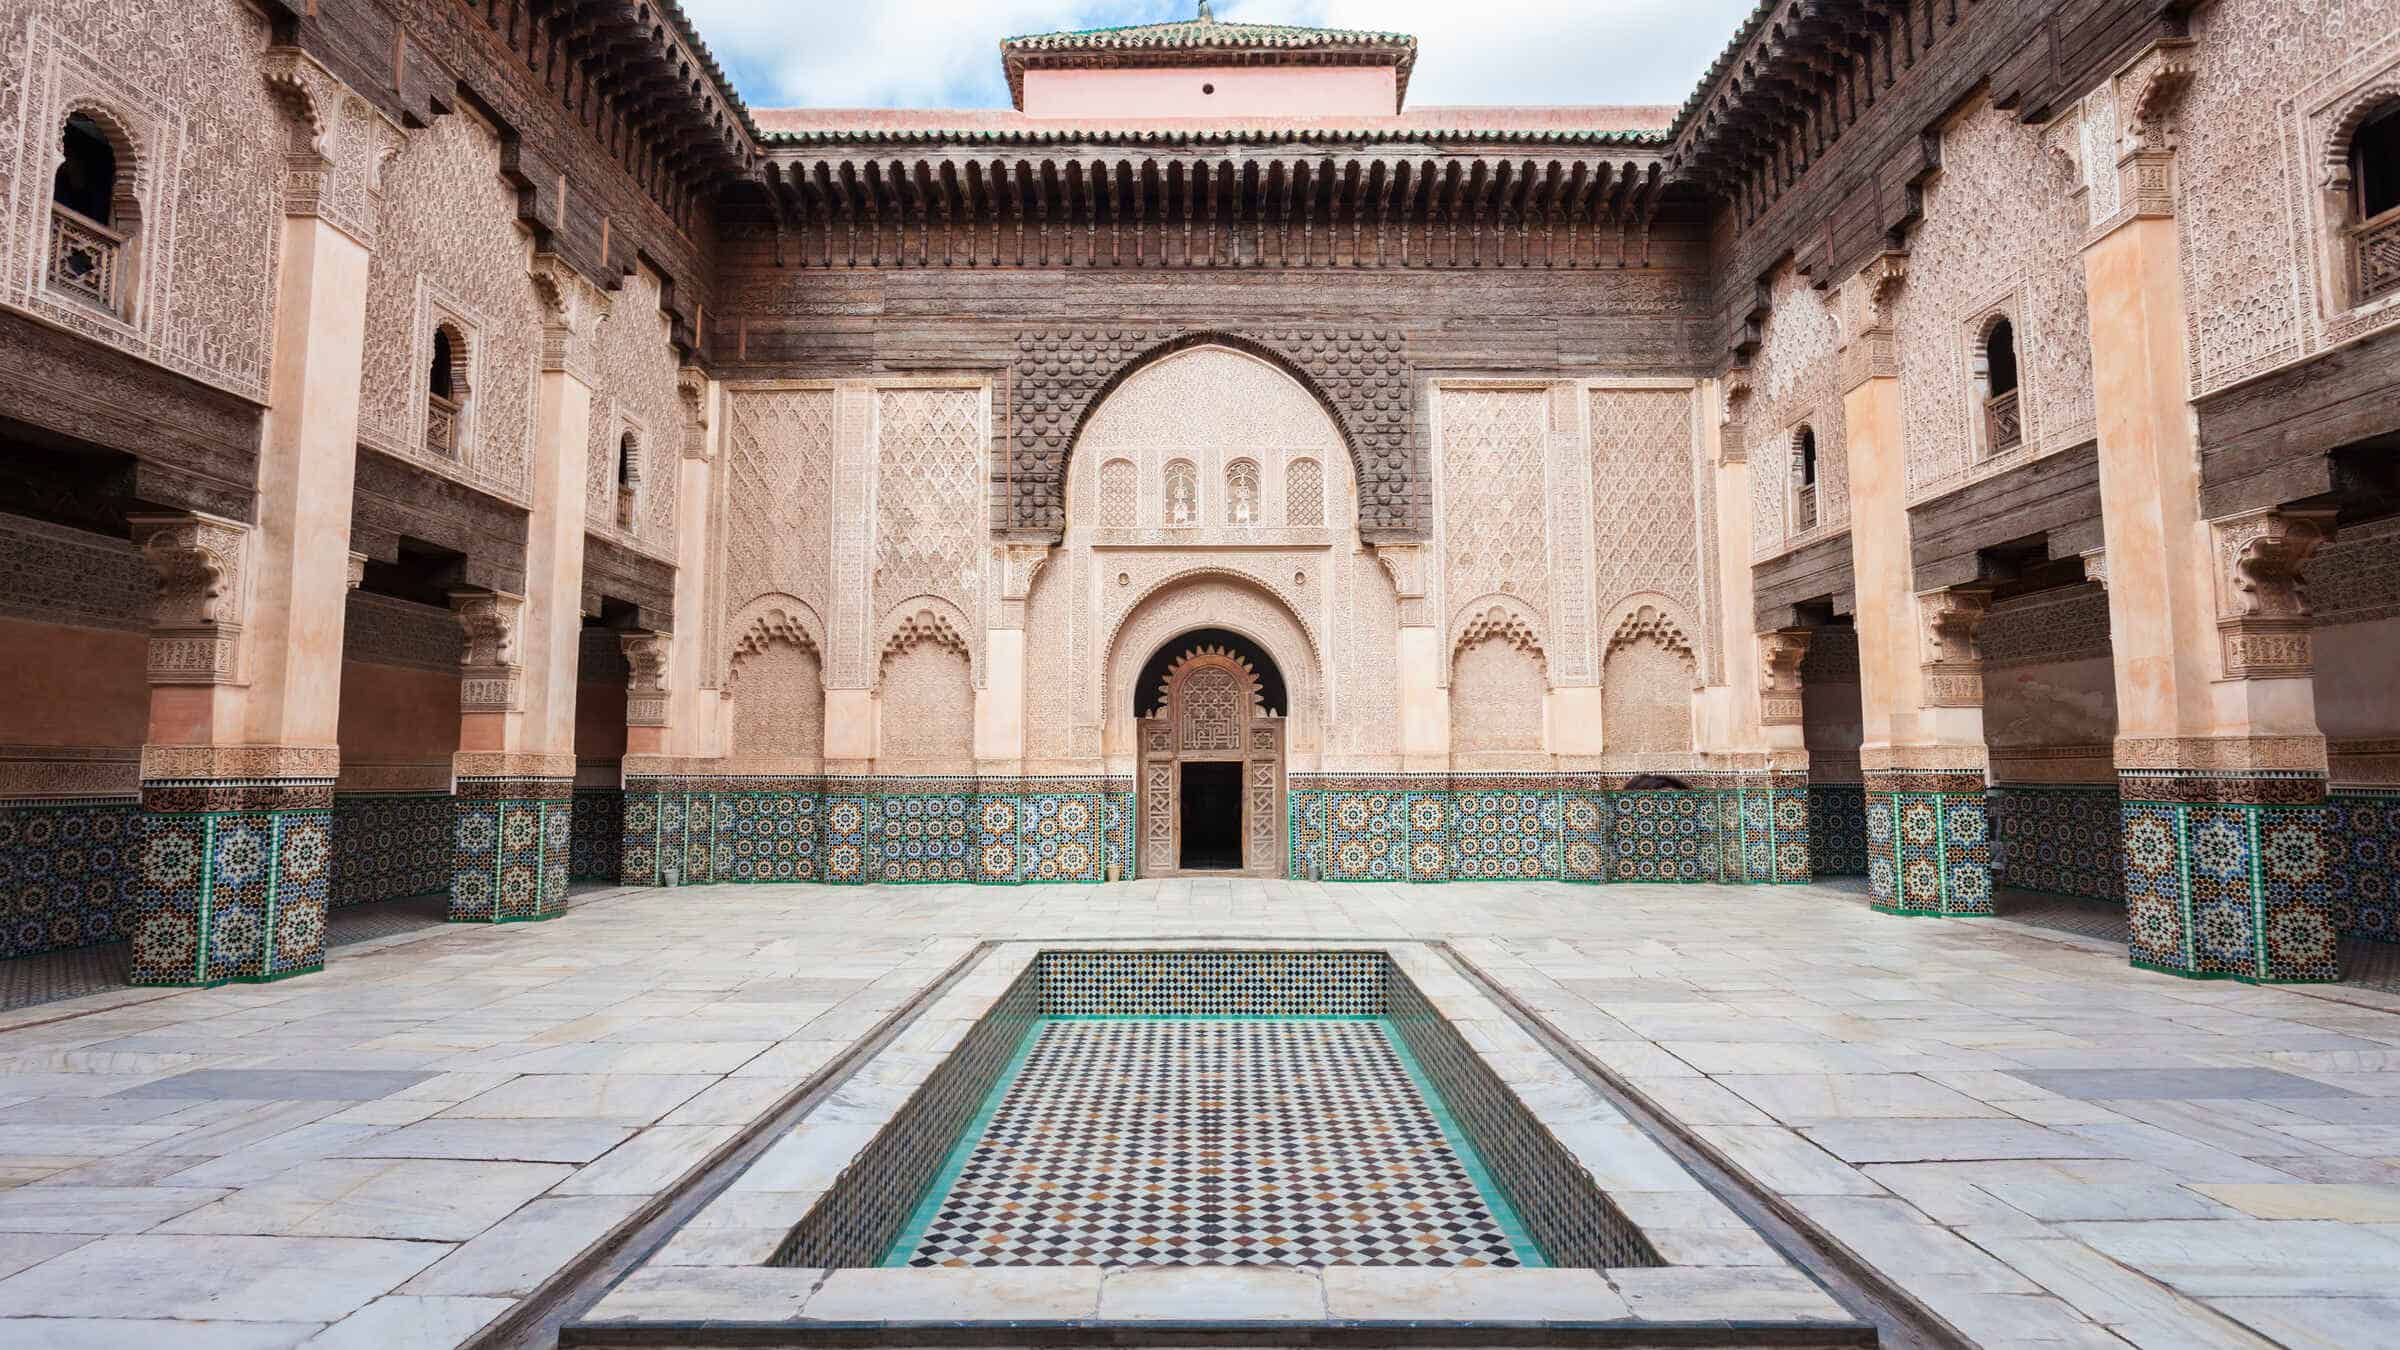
(2221, 767)
(233, 855)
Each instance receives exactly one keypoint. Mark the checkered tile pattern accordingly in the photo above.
(1166, 1142)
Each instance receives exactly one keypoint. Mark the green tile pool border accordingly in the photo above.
(954, 1164)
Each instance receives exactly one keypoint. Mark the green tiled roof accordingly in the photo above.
(1205, 33)
(1228, 136)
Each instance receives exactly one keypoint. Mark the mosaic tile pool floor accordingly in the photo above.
(1213, 1141)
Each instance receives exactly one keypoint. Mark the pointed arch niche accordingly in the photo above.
(1211, 782)
(925, 692)
(1647, 681)
(1499, 687)
(776, 683)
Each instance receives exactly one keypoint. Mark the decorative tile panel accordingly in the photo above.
(2231, 889)
(67, 871)
(235, 893)
(386, 846)
(509, 861)
(2058, 839)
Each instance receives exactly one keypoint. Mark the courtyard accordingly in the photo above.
(469, 1134)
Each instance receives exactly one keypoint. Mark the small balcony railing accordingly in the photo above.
(2375, 249)
(1804, 508)
(2003, 424)
(441, 426)
(86, 258)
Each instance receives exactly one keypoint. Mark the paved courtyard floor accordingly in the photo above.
(2043, 1145)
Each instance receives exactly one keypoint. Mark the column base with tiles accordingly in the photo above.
(1929, 843)
(510, 855)
(230, 880)
(2230, 876)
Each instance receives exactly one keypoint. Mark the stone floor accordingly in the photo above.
(2044, 1145)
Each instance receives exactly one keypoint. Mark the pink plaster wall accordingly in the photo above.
(2355, 662)
(393, 713)
(1241, 91)
(2051, 704)
(73, 686)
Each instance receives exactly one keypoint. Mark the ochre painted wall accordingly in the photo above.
(73, 686)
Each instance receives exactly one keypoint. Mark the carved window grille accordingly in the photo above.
(1179, 503)
(1804, 480)
(1241, 493)
(2374, 237)
(1117, 494)
(92, 216)
(1304, 493)
(2003, 415)
(446, 392)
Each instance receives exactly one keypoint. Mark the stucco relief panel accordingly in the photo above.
(183, 80)
(633, 365)
(2001, 237)
(1646, 534)
(1218, 599)
(930, 500)
(2251, 136)
(776, 511)
(449, 235)
(1795, 380)
(1494, 505)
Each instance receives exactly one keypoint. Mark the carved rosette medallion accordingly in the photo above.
(647, 655)
(492, 675)
(2263, 618)
(1953, 664)
(196, 629)
(1779, 656)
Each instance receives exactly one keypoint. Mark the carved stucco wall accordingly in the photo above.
(774, 514)
(2001, 235)
(1646, 702)
(1795, 379)
(2272, 77)
(1646, 526)
(930, 504)
(633, 368)
(927, 711)
(1114, 587)
(778, 709)
(1363, 374)
(1496, 695)
(1494, 506)
(449, 248)
(182, 77)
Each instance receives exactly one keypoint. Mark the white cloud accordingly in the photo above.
(944, 53)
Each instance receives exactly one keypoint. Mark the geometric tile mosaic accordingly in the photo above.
(2364, 832)
(1222, 1142)
(1929, 852)
(1837, 829)
(2063, 840)
(65, 870)
(594, 839)
(2231, 889)
(389, 845)
(509, 851)
(216, 896)
(1244, 983)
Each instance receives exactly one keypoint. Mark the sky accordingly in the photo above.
(944, 53)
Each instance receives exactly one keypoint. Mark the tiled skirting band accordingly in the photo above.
(1572, 827)
(2231, 877)
(895, 831)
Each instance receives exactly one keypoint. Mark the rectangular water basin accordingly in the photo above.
(1205, 1135)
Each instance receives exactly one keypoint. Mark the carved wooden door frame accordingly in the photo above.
(1211, 713)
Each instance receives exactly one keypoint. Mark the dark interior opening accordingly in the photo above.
(2376, 153)
(2000, 357)
(86, 182)
(1212, 817)
(1149, 692)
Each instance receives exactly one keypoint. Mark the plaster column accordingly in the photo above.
(235, 847)
(2221, 769)
(675, 707)
(1424, 701)
(1928, 838)
(1000, 704)
(516, 759)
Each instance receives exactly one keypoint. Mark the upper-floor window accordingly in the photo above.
(446, 391)
(629, 478)
(2003, 417)
(1804, 479)
(1241, 493)
(92, 217)
(2375, 205)
(1180, 502)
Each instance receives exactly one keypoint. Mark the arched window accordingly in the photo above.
(1117, 494)
(446, 391)
(1804, 479)
(2003, 426)
(92, 217)
(1304, 493)
(629, 478)
(2375, 205)
(1179, 504)
(1241, 493)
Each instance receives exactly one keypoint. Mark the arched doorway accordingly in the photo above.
(1211, 732)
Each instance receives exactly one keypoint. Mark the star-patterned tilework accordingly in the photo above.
(1215, 1142)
